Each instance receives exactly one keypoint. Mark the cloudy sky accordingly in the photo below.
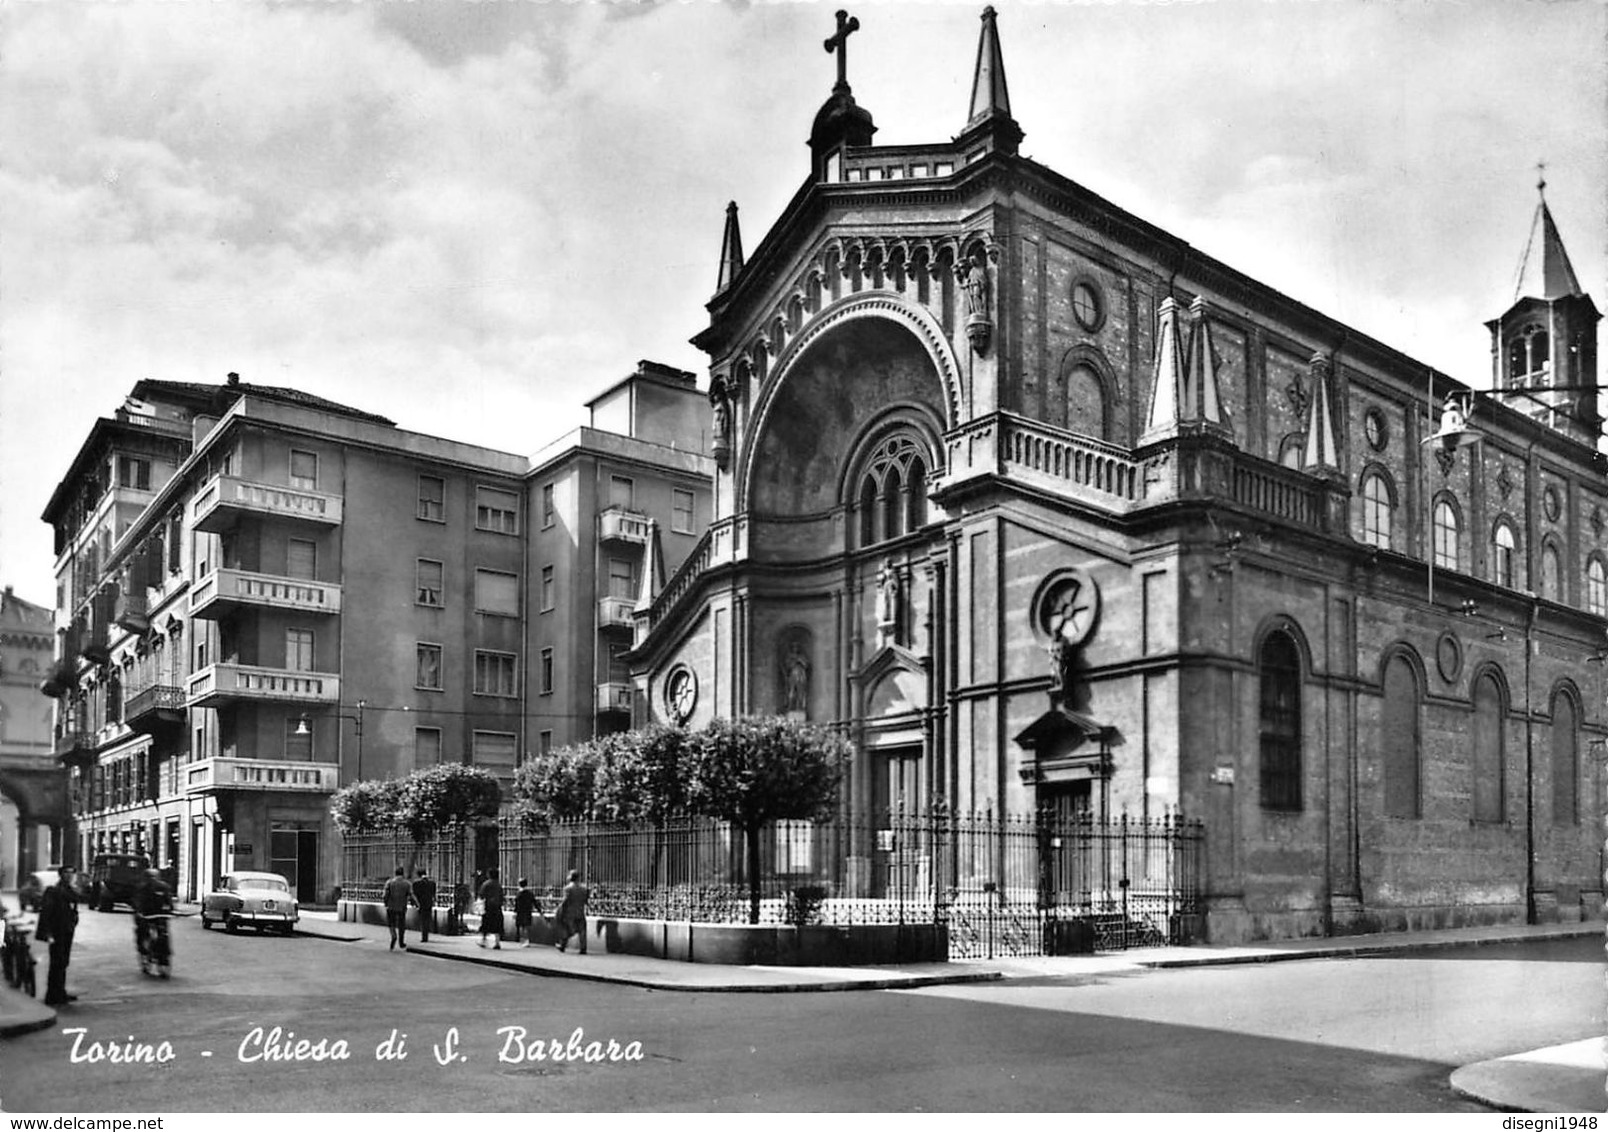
(472, 216)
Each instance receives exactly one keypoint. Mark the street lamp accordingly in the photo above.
(302, 728)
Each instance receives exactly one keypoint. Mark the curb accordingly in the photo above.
(43, 1021)
(1343, 952)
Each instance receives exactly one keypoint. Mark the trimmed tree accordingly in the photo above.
(758, 770)
(558, 785)
(440, 796)
(365, 807)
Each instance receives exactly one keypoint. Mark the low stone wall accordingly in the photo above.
(775, 945)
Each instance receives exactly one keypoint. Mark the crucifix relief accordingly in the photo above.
(839, 43)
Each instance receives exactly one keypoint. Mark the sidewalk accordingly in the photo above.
(1566, 1078)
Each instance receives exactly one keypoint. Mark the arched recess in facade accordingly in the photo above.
(856, 358)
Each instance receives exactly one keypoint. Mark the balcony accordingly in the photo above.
(223, 500)
(210, 776)
(619, 525)
(615, 613)
(223, 684)
(223, 592)
(73, 745)
(614, 697)
(155, 707)
(129, 612)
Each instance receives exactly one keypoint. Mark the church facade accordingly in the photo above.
(1046, 509)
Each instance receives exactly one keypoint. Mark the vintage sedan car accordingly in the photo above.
(257, 900)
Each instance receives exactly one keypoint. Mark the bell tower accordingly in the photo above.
(1544, 348)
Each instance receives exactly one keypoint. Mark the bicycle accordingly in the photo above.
(16, 956)
(155, 945)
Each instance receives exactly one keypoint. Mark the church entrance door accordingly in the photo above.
(901, 862)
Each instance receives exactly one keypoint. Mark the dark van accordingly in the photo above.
(115, 878)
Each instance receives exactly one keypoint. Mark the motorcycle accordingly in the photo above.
(155, 945)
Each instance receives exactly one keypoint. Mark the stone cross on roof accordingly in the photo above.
(839, 43)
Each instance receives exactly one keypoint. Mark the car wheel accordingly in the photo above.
(231, 924)
(206, 924)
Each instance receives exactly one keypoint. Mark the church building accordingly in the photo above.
(1046, 509)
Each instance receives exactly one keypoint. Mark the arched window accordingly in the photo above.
(1565, 760)
(1280, 677)
(891, 496)
(1376, 510)
(1551, 573)
(1490, 751)
(1529, 358)
(1503, 546)
(1446, 530)
(1597, 587)
(1400, 739)
(1085, 402)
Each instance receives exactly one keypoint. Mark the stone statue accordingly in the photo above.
(720, 391)
(795, 679)
(973, 276)
(1061, 655)
(887, 605)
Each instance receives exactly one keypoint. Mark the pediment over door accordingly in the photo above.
(895, 683)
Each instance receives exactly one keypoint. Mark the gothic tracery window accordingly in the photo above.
(892, 494)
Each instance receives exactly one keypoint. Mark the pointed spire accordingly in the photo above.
(1545, 271)
(1200, 382)
(990, 96)
(1167, 398)
(731, 250)
(652, 581)
(1321, 453)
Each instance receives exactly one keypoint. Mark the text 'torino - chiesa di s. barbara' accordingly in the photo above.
(1048, 508)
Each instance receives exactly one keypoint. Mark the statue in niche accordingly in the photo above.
(720, 392)
(973, 275)
(795, 679)
(887, 605)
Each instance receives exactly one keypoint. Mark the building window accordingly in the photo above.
(495, 751)
(497, 592)
(681, 511)
(1400, 739)
(303, 470)
(429, 577)
(892, 493)
(549, 589)
(1565, 761)
(1503, 545)
(547, 672)
(496, 510)
(1087, 305)
(545, 742)
(301, 559)
(622, 578)
(495, 673)
(134, 473)
(1529, 359)
(1597, 587)
(299, 650)
(1551, 573)
(622, 492)
(1490, 751)
(1280, 665)
(298, 740)
(1376, 510)
(426, 746)
(433, 499)
(427, 672)
(1445, 534)
(547, 506)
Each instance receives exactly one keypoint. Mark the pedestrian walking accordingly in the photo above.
(398, 892)
(572, 912)
(424, 894)
(491, 906)
(524, 913)
(58, 920)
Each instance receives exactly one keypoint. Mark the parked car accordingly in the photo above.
(259, 900)
(115, 878)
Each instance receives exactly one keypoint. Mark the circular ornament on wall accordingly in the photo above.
(1088, 304)
(1067, 606)
(680, 693)
(1376, 429)
(1551, 503)
(1449, 657)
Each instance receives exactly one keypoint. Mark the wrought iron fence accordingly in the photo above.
(1001, 884)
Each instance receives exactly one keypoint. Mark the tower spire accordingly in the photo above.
(1544, 270)
(990, 112)
(731, 250)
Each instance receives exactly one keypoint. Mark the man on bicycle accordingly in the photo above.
(153, 899)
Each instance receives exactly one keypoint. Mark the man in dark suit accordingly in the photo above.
(424, 894)
(58, 920)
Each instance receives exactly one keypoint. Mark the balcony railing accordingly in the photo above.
(617, 524)
(129, 612)
(151, 707)
(210, 775)
(615, 612)
(224, 591)
(614, 696)
(222, 500)
(222, 684)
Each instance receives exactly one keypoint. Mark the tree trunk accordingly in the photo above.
(751, 835)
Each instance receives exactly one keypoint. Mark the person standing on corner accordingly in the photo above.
(58, 920)
(397, 894)
(524, 913)
(491, 903)
(424, 894)
(572, 912)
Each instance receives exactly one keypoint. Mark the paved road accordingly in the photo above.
(1373, 1034)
